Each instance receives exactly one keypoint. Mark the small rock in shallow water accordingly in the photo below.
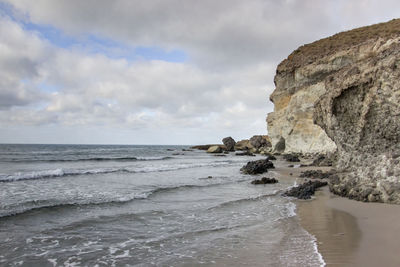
(304, 191)
(265, 180)
(258, 166)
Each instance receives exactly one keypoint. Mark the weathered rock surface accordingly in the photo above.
(229, 143)
(304, 191)
(243, 145)
(257, 166)
(343, 92)
(265, 180)
(258, 141)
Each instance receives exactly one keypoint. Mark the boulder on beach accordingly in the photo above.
(243, 145)
(259, 141)
(214, 149)
(229, 142)
(257, 166)
(304, 191)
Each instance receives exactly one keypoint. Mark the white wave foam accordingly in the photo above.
(64, 172)
(315, 246)
(40, 204)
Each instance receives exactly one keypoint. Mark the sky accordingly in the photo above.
(155, 71)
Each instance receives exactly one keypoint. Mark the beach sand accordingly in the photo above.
(352, 233)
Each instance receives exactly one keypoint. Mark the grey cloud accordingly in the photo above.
(214, 33)
(233, 48)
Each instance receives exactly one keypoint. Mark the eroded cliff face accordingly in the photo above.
(360, 112)
(343, 93)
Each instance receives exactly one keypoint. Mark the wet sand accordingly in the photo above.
(352, 233)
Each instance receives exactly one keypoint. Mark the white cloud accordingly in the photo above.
(92, 89)
(233, 48)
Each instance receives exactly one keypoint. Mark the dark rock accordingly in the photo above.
(258, 141)
(271, 157)
(305, 190)
(246, 153)
(315, 174)
(178, 154)
(187, 149)
(291, 158)
(258, 166)
(230, 143)
(170, 149)
(265, 180)
(280, 146)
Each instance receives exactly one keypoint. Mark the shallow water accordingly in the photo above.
(143, 205)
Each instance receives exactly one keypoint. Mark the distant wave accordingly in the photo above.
(55, 173)
(34, 205)
(89, 159)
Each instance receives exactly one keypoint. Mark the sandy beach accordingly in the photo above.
(352, 233)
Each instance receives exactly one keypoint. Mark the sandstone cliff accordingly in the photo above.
(344, 92)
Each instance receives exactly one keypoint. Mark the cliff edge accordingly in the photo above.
(342, 94)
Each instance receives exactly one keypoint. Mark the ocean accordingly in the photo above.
(111, 205)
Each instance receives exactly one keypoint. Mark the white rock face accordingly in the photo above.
(294, 98)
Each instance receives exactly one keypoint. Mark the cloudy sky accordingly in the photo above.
(154, 71)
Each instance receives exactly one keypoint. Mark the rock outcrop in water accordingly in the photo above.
(343, 92)
(229, 143)
(304, 191)
(257, 166)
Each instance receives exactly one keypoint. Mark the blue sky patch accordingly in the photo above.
(94, 44)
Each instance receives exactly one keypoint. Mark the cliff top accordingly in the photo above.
(341, 41)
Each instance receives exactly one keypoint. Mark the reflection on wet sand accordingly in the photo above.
(337, 232)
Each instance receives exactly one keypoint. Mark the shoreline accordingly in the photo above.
(352, 233)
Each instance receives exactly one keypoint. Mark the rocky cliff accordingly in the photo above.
(343, 93)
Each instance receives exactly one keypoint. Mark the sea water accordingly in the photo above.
(100, 205)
